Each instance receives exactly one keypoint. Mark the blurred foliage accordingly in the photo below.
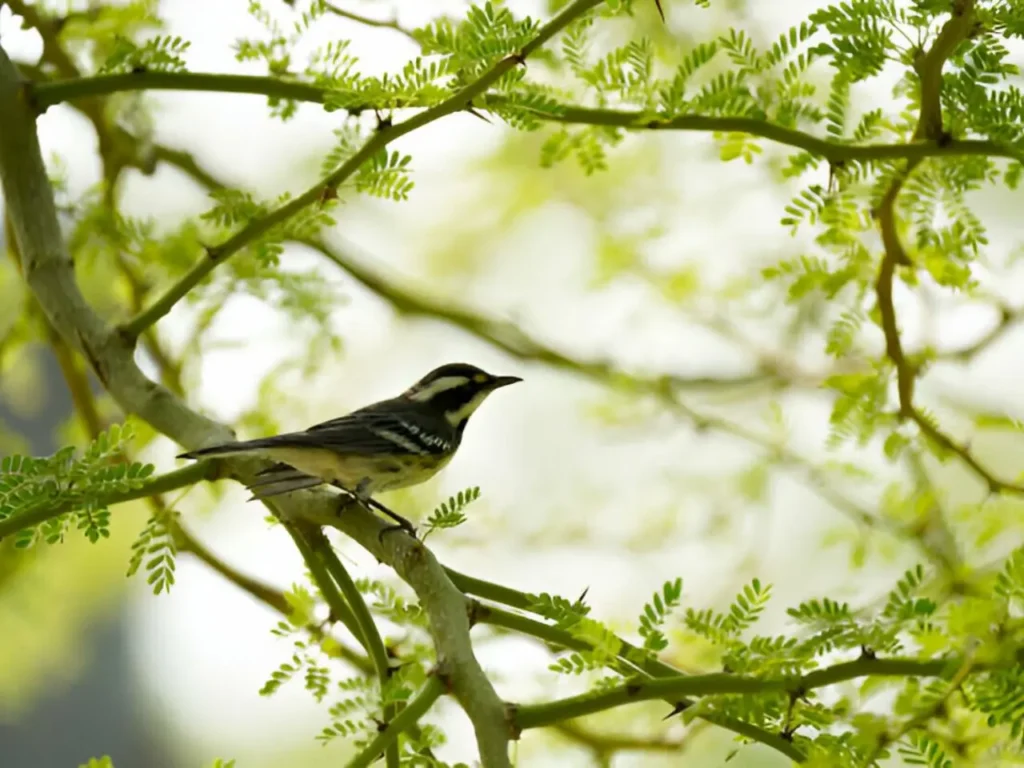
(881, 197)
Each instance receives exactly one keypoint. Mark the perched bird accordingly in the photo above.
(387, 445)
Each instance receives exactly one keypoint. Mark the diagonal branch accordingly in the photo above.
(324, 188)
(387, 738)
(370, 635)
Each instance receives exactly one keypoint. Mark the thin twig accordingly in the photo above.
(368, 22)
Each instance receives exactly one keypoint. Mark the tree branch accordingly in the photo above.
(371, 639)
(716, 684)
(603, 743)
(171, 481)
(368, 22)
(340, 610)
(405, 720)
(628, 662)
(381, 139)
(49, 273)
(55, 92)
(929, 127)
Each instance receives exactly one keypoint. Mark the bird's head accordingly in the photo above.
(456, 390)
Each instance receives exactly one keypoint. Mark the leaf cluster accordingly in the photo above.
(78, 481)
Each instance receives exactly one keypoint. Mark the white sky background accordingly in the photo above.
(205, 649)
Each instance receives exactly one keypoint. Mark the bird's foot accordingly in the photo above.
(360, 496)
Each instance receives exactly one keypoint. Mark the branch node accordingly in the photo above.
(28, 95)
(511, 711)
(126, 335)
(474, 611)
(868, 653)
(329, 192)
(441, 673)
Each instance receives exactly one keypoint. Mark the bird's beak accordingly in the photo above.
(503, 381)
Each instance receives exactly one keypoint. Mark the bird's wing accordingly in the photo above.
(390, 427)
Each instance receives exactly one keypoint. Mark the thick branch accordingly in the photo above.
(49, 272)
(445, 607)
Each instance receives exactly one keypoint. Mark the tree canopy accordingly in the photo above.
(890, 213)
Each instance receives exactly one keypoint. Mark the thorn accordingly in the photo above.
(476, 114)
(514, 731)
(679, 708)
(327, 194)
(661, 11)
(383, 123)
(867, 653)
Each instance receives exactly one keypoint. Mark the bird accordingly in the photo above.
(387, 445)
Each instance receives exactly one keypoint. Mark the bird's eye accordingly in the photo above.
(480, 378)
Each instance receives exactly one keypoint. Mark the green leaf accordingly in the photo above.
(656, 611)
(450, 513)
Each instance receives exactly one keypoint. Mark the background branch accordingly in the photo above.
(929, 127)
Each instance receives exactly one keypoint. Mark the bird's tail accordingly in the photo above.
(227, 449)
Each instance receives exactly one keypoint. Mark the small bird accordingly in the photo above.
(384, 446)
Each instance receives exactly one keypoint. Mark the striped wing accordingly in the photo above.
(389, 428)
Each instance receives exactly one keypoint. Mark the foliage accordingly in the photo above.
(450, 514)
(884, 200)
(79, 483)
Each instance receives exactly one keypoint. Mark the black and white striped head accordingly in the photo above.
(456, 390)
